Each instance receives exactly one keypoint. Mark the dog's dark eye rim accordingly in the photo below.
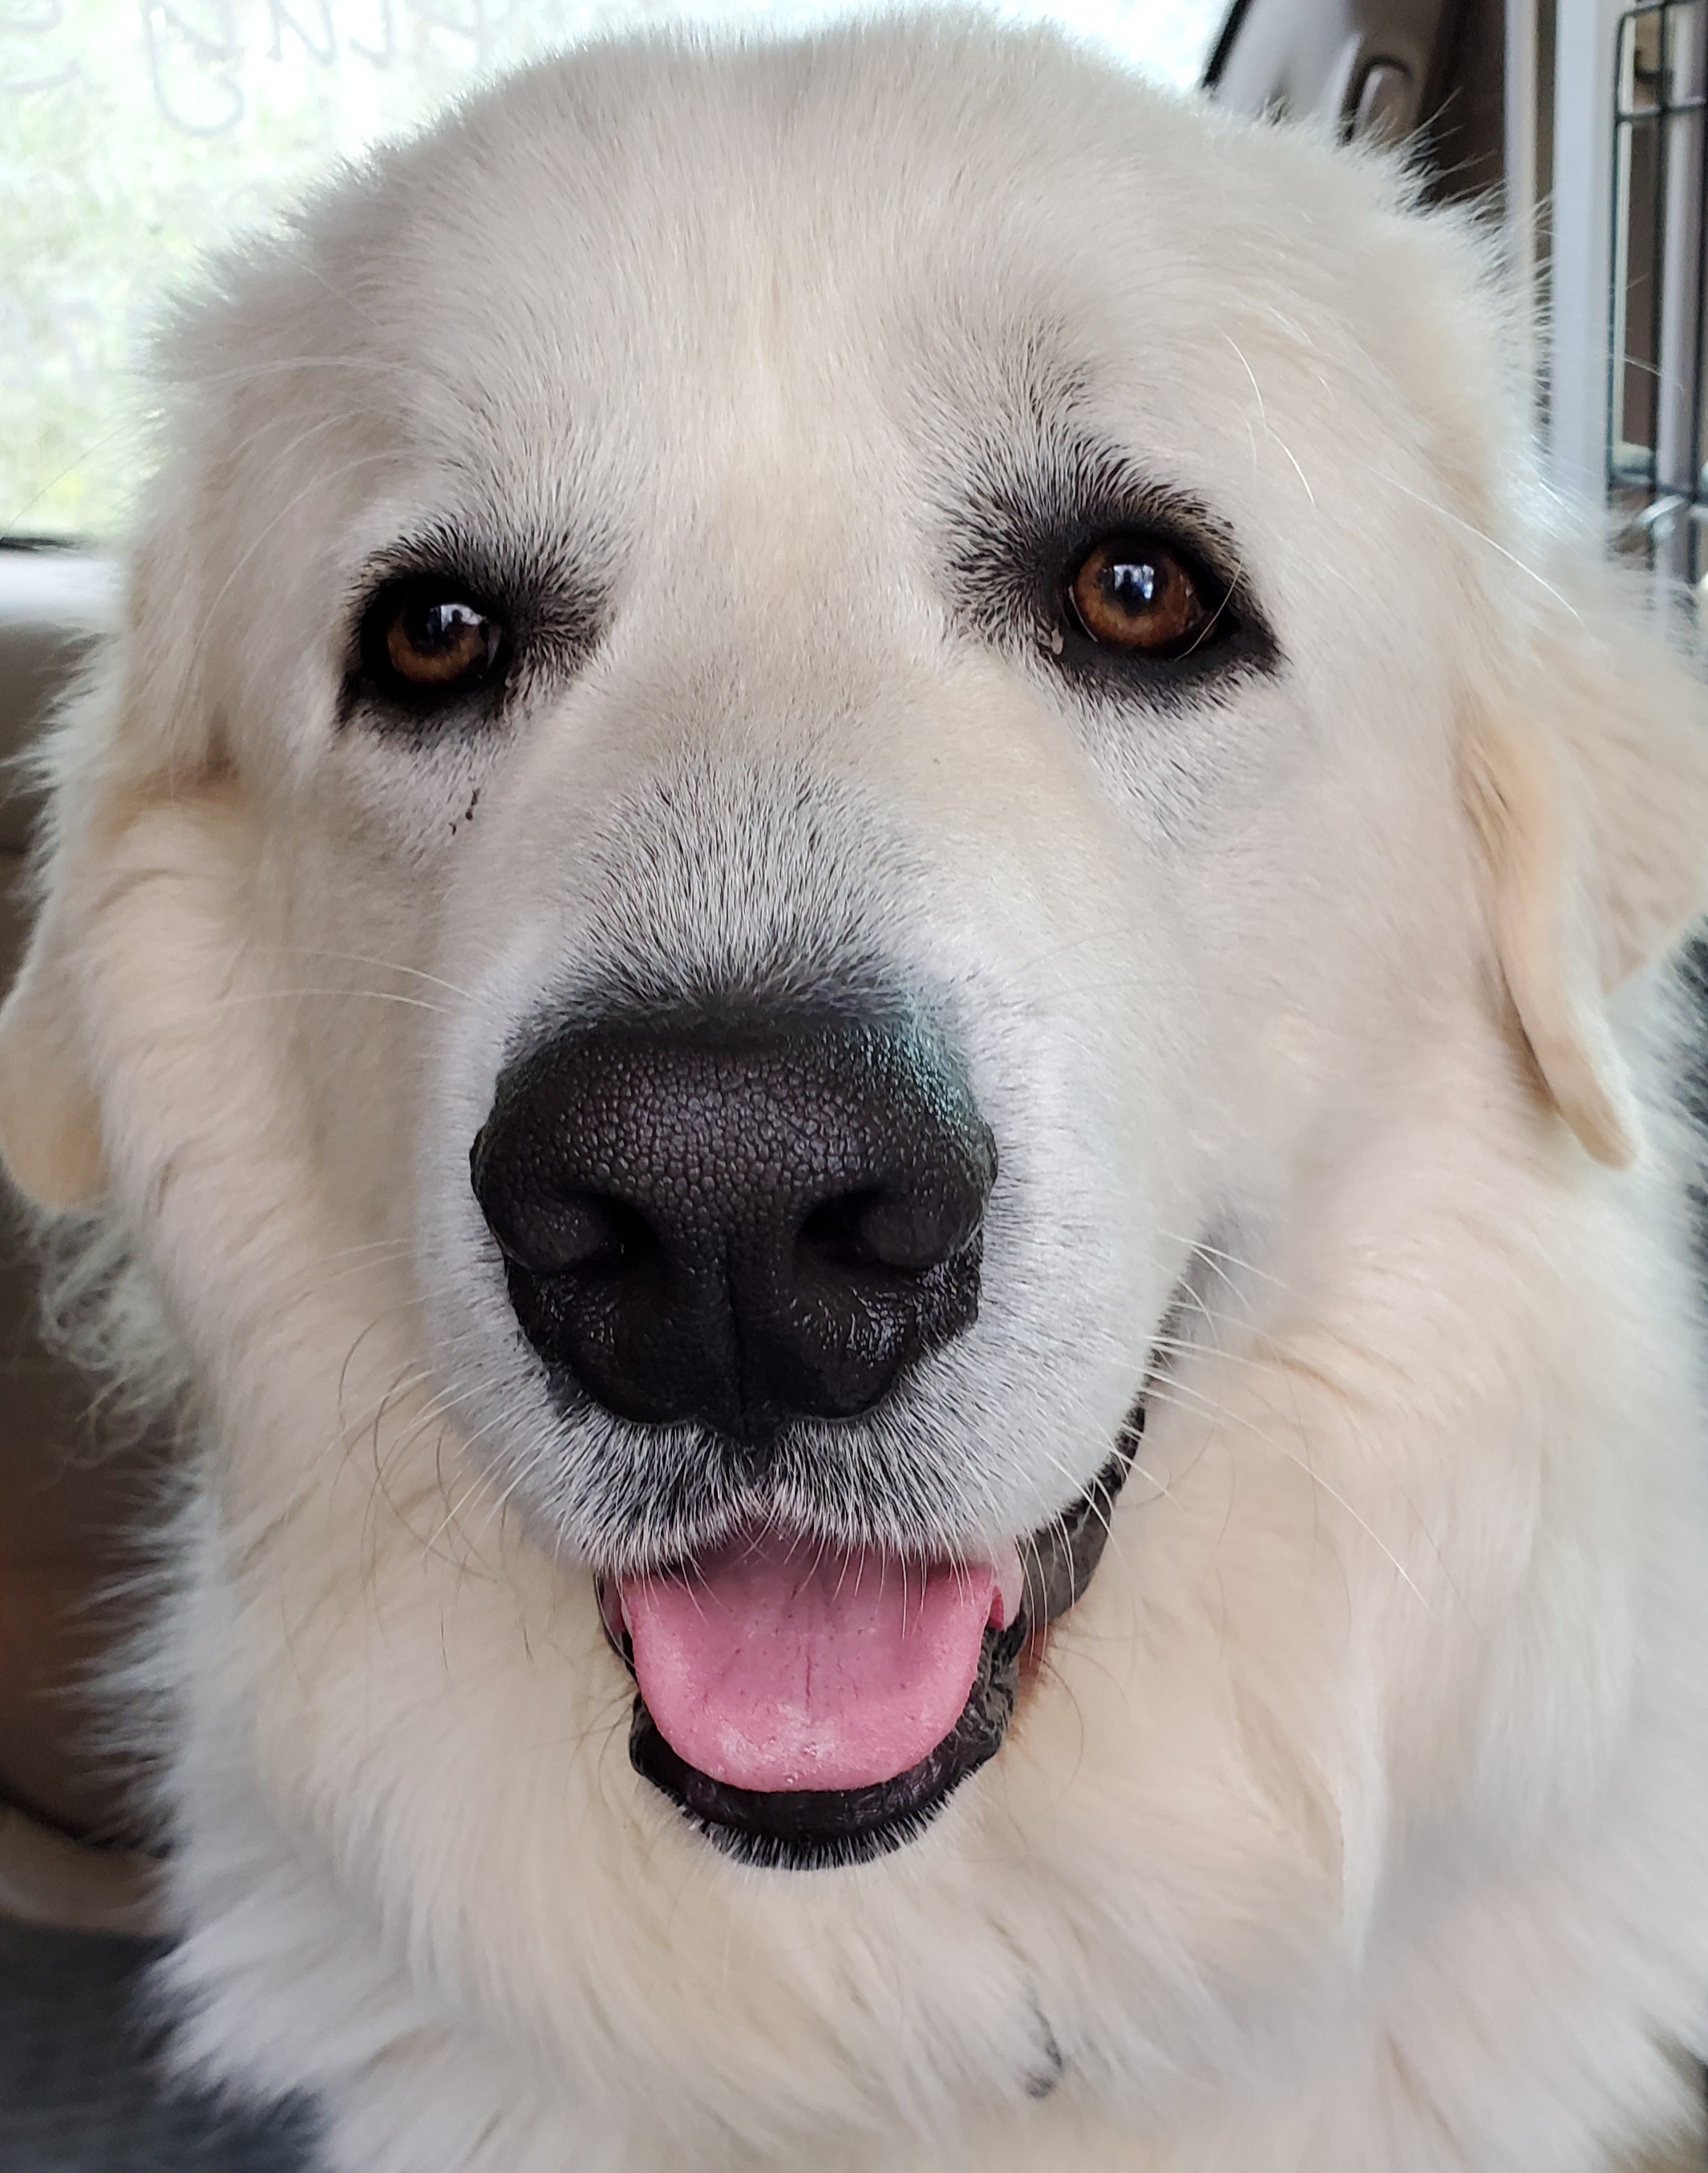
(400, 613)
(1013, 557)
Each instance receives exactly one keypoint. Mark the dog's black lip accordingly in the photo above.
(1061, 1560)
(817, 1829)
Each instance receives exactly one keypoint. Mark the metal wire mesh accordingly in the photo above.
(1657, 461)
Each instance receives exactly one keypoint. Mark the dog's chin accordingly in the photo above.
(813, 1706)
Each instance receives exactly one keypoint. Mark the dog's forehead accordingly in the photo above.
(835, 248)
(695, 312)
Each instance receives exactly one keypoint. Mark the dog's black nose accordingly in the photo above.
(736, 1226)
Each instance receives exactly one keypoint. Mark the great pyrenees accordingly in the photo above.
(860, 822)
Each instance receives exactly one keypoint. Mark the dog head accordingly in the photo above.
(809, 741)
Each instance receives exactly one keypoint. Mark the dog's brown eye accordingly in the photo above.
(1131, 592)
(433, 644)
(425, 640)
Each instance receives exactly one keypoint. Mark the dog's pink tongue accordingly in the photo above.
(779, 1664)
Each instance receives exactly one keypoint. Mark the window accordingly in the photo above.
(134, 134)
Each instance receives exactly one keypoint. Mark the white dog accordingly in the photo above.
(860, 809)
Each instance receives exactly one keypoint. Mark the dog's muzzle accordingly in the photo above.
(729, 1226)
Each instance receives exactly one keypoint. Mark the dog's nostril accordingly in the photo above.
(612, 1234)
(876, 1229)
(831, 1233)
(571, 1232)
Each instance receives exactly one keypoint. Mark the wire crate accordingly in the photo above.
(1657, 461)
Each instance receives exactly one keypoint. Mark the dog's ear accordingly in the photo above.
(137, 729)
(1588, 787)
(50, 1121)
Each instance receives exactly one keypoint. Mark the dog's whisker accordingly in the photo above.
(237, 997)
(1215, 1256)
(1205, 1407)
(359, 958)
(1469, 528)
(338, 474)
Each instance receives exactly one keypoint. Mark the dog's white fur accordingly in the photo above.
(1355, 1822)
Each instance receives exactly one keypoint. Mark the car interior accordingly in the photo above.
(1560, 124)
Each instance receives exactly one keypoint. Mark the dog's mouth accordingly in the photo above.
(806, 1706)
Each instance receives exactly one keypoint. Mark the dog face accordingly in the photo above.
(832, 790)
(806, 734)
